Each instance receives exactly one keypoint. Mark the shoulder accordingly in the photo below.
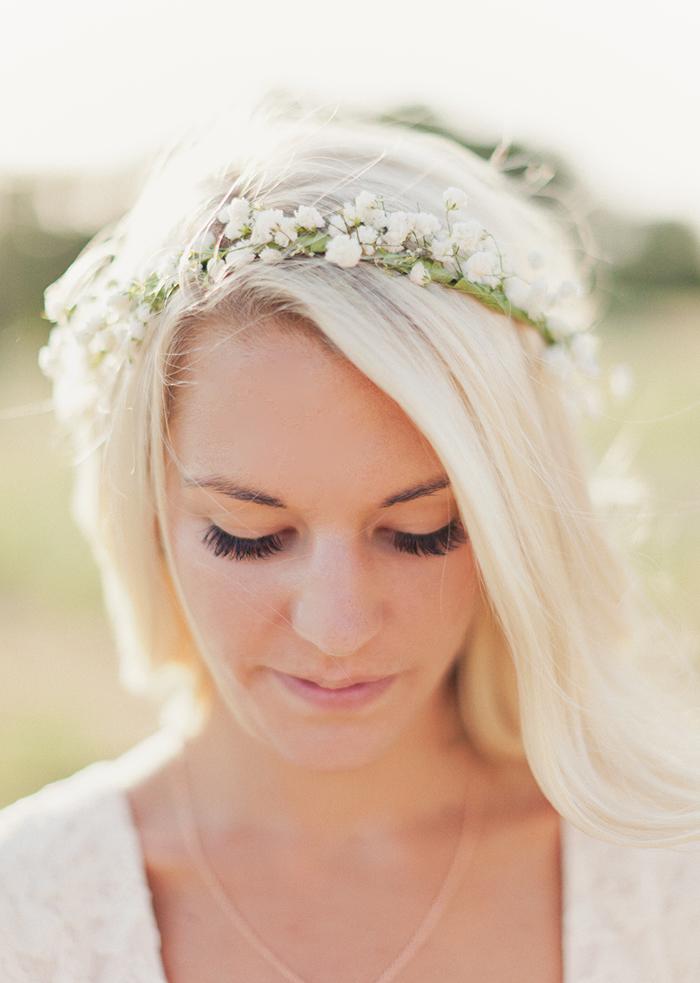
(633, 908)
(49, 842)
(44, 830)
(672, 882)
(672, 872)
(73, 897)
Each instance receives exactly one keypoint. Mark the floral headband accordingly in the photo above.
(94, 338)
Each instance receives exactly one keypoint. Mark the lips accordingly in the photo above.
(334, 695)
(340, 684)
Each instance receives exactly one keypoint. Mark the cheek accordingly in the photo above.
(437, 602)
(230, 605)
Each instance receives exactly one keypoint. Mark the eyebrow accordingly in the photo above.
(245, 493)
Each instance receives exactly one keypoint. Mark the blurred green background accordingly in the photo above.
(61, 705)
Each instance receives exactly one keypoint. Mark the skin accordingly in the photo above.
(291, 799)
(339, 601)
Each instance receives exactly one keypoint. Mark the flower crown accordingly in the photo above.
(94, 338)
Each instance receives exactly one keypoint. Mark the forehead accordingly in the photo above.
(288, 413)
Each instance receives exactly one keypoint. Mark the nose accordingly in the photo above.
(336, 605)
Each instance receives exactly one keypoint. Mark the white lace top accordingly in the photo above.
(75, 904)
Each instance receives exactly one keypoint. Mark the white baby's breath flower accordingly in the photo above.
(236, 211)
(365, 201)
(344, 250)
(286, 232)
(419, 274)
(483, 267)
(559, 327)
(560, 362)
(108, 371)
(54, 301)
(337, 225)
(538, 299)
(239, 257)
(517, 291)
(411, 218)
(370, 211)
(52, 353)
(365, 233)
(135, 329)
(584, 349)
(349, 213)
(234, 230)
(468, 236)
(104, 340)
(235, 216)
(400, 224)
(216, 270)
(87, 321)
(426, 224)
(270, 255)
(454, 198)
(441, 250)
(265, 224)
(367, 237)
(118, 305)
(204, 242)
(377, 218)
(166, 268)
(566, 291)
(308, 217)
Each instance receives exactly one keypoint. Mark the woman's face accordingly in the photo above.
(294, 562)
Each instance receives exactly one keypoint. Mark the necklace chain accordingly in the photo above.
(462, 857)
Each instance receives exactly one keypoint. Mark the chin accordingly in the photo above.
(333, 748)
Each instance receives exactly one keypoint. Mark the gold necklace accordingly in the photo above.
(462, 857)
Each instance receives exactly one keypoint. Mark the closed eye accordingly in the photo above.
(429, 544)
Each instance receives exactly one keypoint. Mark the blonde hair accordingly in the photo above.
(567, 668)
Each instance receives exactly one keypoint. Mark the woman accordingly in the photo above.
(324, 400)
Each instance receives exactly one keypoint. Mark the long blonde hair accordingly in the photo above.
(557, 672)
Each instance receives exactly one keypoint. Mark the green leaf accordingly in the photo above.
(437, 271)
(311, 242)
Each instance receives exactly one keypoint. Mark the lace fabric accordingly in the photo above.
(76, 907)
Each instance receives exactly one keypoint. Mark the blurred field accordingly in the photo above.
(60, 702)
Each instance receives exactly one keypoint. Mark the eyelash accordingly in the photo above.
(431, 544)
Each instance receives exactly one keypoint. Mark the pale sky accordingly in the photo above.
(613, 85)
